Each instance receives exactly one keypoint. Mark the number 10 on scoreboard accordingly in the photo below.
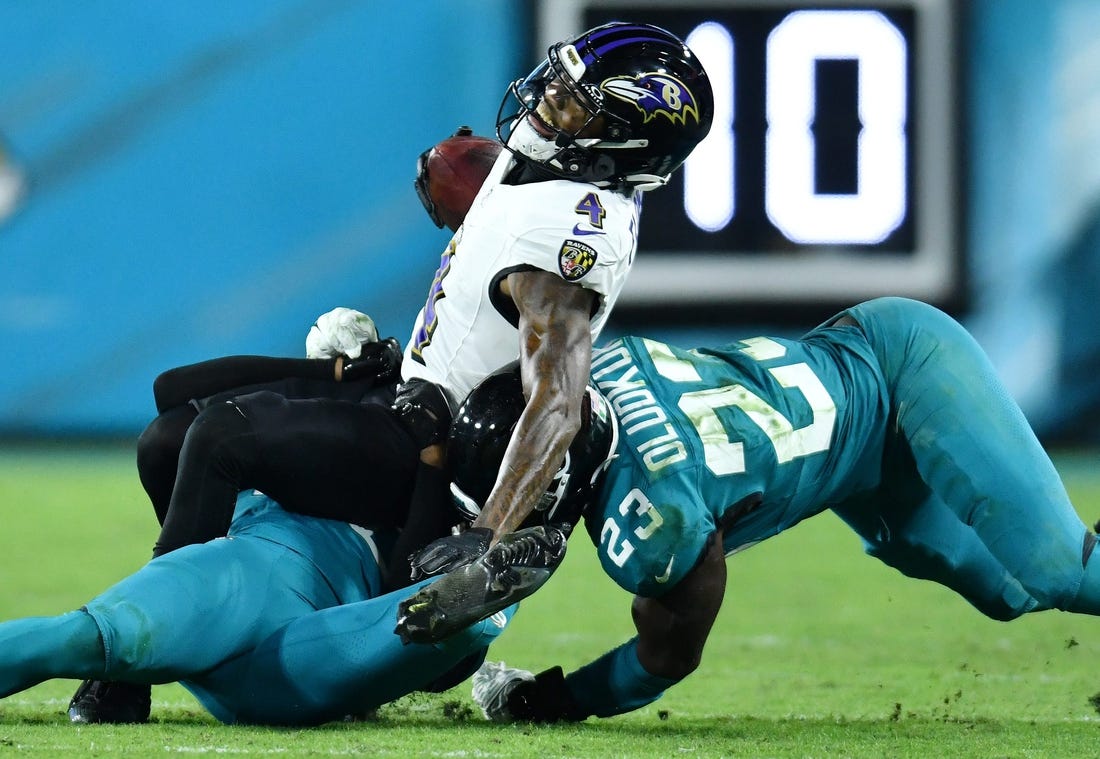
(875, 204)
(791, 199)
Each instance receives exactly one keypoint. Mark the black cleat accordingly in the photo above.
(114, 703)
(518, 565)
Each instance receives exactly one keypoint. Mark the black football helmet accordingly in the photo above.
(480, 433)
(649, 88)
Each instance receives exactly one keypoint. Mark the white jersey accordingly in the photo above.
(467, 329)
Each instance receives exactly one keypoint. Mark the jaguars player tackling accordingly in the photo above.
(889, 414)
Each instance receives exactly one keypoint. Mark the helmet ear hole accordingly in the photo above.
(603, 167)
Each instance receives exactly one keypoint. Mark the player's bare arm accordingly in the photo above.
(555, 357)
(672, 629)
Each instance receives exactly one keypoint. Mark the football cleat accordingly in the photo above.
(518, 565)
(96, 701)
(493, 684)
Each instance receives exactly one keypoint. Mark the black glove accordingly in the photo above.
(424, 410)
(423, 180)
(449, 553)
(379, 361)
(544, 699)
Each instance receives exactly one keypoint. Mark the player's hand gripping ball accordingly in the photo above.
(449, 175)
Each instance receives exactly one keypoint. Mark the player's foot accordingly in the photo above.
(518, 565)
(116, 703)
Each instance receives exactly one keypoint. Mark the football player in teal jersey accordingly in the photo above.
(889, 414)
(282, 623)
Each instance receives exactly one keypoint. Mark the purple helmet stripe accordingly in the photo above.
(618, 28)
(600, 50)
(605, 49)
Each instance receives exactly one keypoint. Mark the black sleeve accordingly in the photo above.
(176, 387)
(431, 516)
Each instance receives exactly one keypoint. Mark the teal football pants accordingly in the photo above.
(274, 624)
(968, 496)
(340, 661)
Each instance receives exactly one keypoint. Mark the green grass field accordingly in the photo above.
(819, 651)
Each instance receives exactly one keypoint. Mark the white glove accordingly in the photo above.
(340, 332)
(493, 682)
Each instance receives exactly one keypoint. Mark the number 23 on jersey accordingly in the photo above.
(723, 455)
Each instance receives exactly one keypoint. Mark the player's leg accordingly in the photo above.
(974, 449)
(36, 649)
(158, 455)
(192, 609)
(158, 452)
(321, 457)
(177, 615)
(159, 445)
(915, 533)
(337, 662)
(354, 462)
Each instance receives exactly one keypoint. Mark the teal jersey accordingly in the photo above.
(754, 436)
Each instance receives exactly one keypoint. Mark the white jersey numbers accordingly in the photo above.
(619, 548)
(719, 437)
(724, 456)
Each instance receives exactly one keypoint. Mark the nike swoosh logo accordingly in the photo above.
(581, 232)
(668, 572)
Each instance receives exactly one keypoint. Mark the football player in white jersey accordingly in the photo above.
(547, 245)
(582, 238)
(532, 273)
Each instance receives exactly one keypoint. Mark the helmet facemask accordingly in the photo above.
(566, 154)
(548, 502)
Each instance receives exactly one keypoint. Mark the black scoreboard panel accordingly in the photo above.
(831, 173)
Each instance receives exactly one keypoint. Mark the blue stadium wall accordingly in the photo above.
(204, 178)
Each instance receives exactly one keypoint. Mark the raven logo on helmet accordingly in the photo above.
(655, 94)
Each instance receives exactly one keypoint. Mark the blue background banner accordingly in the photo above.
(206, 178)
(189, 180)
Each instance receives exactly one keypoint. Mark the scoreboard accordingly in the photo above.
(831, 172)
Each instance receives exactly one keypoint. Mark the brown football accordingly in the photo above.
(456, 169)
